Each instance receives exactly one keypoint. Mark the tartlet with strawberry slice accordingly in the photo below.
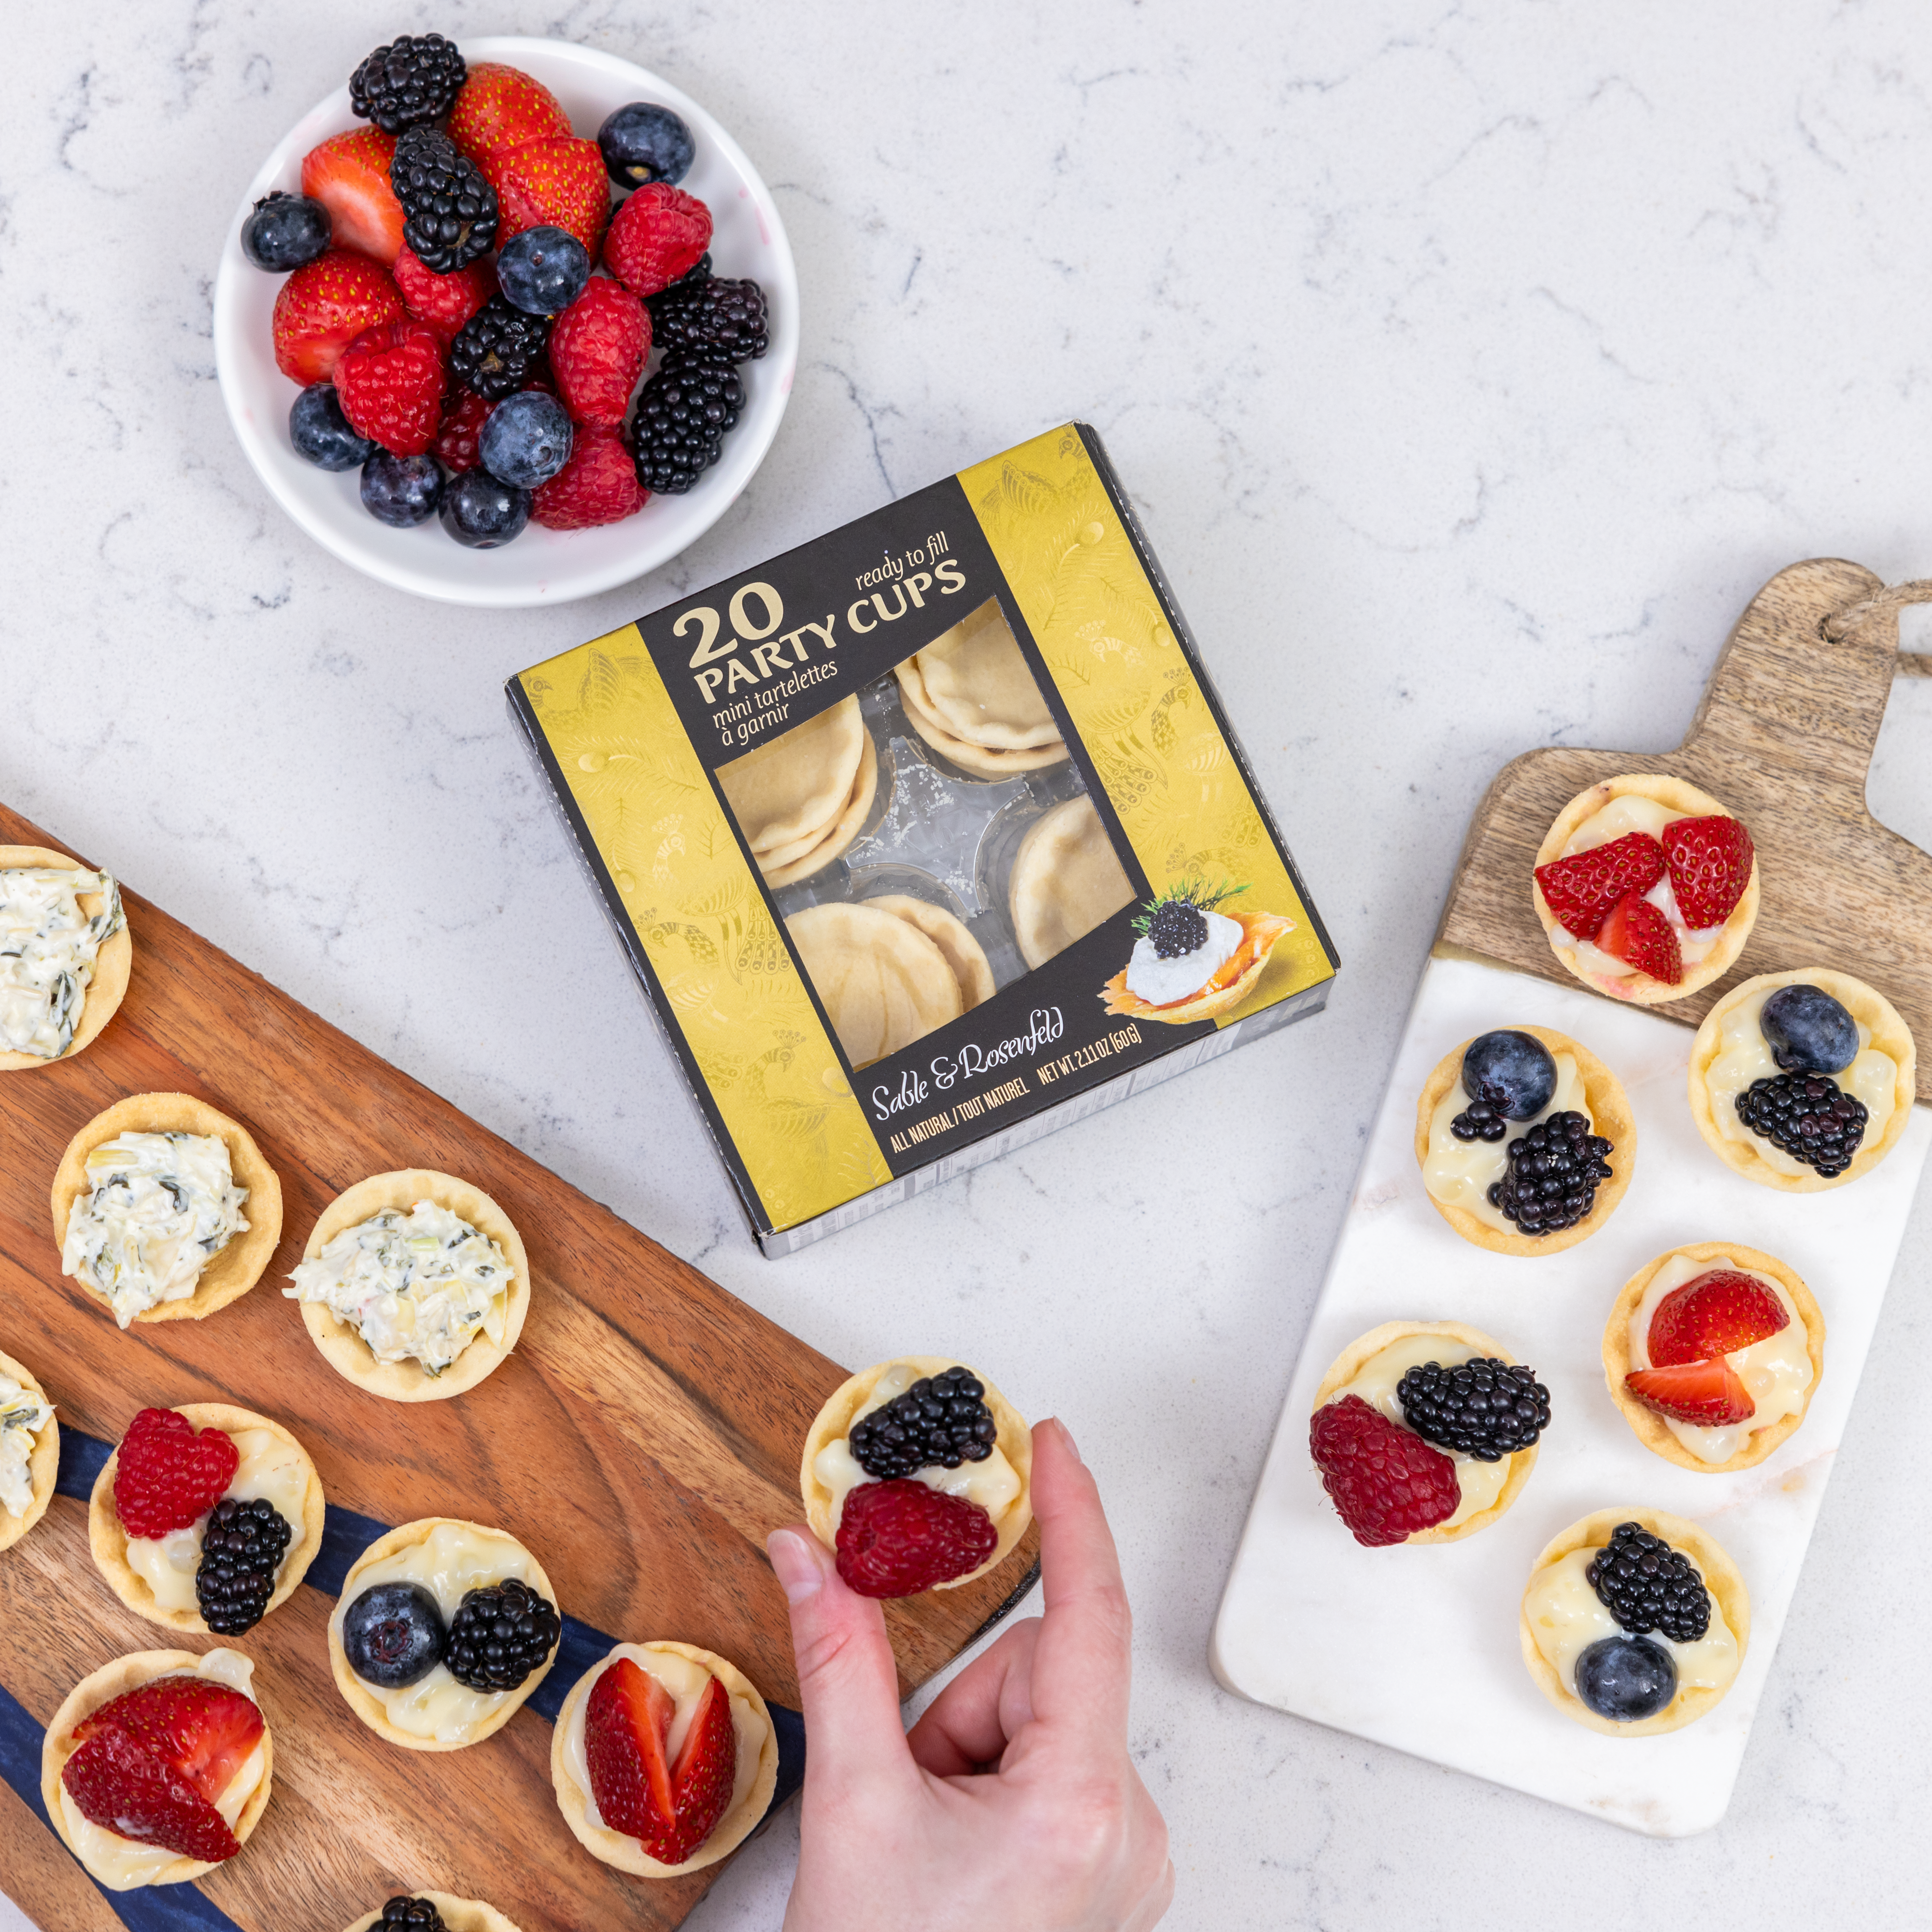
(1713, 1353)
(664, 1758)
(157, 1767)
(1647, 887)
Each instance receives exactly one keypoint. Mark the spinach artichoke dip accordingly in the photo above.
(24, 1413)
(47, 950)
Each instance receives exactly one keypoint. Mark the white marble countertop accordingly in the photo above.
(1471, 368)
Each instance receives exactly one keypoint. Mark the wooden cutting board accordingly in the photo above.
(642, 1441)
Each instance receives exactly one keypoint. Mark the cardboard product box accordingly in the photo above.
(927, 838)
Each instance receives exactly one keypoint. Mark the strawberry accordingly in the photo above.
(598, 485)
(165, 1476)
(455, 446)
(323, 308)
(898, 1538)
(1581, 889)
(670, 1809)
(1636, 933)
(117, 1786)
(1717, 1314)
(348, 174)
(202, 1729)
(1710, 861)
(502, 109)
(1384, 1481)
(445, 302)
(1708, 1393)
(391, 383)
(560, 183)
(597, 350)
(657, 237)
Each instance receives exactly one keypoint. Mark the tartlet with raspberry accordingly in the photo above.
(917, 1472)
(1425, 1431)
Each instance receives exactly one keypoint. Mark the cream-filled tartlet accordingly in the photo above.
(1802, 1080)
(157, 1767)
(1634, 1622)
(916, 1472)
(664, 1758)
(165, 1210)
(1525, 1141)
(433, 1912)
(1193, 960)
(65, 956)
(1425, 1431)
(206, 1517)
(1713, 1353)
(1647, 887)
(442, 1629)
(29, 1450)
(413, 1284)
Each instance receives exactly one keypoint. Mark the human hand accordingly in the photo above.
(1011, 1803)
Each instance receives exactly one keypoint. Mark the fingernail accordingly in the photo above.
(1066, 1436)
(797, 1569)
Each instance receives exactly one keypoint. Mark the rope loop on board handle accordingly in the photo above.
(1840, 624)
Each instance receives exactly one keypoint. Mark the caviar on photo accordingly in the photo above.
(472, 324)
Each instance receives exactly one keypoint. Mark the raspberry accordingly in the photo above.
(655, 237)
(445, 302)
(165, 1476)
(896, 1539)
(597, 349)
(390, 379)
(1385, 1481)
(463, 421)
(598, 485)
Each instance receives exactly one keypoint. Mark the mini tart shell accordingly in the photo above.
(364, 1702)
(1259, 931)
(102, 1687)
(1609, 1112)
(107, 1540)
(458, 1914)
(1639, 989)
(346, 1352)
(1650, 1428)
(1722, 1578)
(1889, 1034)
(619, 1848)
(230, 1274)
(1350, 1362)
(1014, 1441)
(112, 963)
(42, 1460)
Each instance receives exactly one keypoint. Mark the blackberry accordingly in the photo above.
(941, 1421)
(700, 270)
(1551, 1182)
(415, 78)
(1808, 1115)
(499, 1634)
(1486, 1409)
(1479, 1121)
(409, 1915)
(496, 349)
(241, 1549)
(1647, 1585)
(1177, 928)
(682, 416)
(715, 320)
(449, 211)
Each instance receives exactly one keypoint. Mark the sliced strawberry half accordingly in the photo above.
(166, 1476)
(1717, 1314)
(119, 1787)
(202, 1730)
(706, 1768)
(1708, 1393)
(1582, 889)
(1710, 861)
(1636, 933)
(670, 1809)
(348, 174)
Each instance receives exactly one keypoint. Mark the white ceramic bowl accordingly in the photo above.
(541, 566)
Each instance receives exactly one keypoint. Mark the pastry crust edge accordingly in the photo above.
(840, 830)
(42, 1460)
(113, 963)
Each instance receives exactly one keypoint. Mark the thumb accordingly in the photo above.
(848, 1681)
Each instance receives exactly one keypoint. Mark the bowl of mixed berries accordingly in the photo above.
(507, 322)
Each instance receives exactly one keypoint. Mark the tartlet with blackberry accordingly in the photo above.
(1525, 1141)
(1199, 953)
(29, 1450)
(433, 1912)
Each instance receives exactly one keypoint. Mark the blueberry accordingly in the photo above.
(1808, 1031)
(1626, 1678)
(400, 490)
(643, 142)
(542, 270)
(393, 1635)
(526, 439)
(320, 431)
(482, 513)
(285, 232)
(1512, 1071)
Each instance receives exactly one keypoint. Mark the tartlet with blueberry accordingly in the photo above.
(1802, 1080)
(1525, 1141)
(433, 1912)
(1634, 1622)
(1425, 1431)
